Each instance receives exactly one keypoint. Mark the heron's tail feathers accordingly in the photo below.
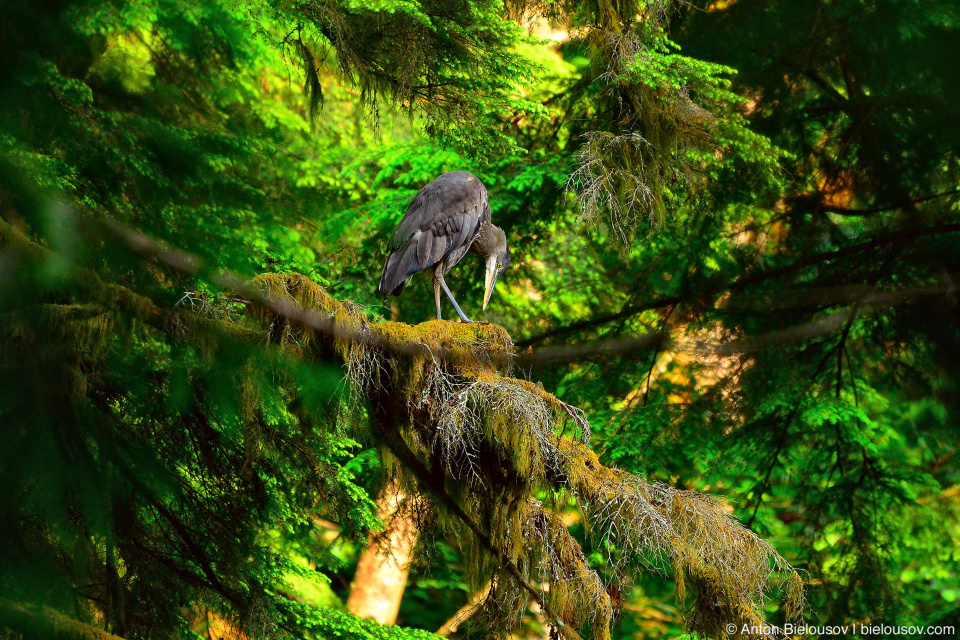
(400, 265)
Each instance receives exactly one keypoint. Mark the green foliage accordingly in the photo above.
(776, 324)
(454, 62)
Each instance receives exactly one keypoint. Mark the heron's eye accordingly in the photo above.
(499, 265)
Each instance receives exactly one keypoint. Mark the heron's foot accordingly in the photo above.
(469, 321)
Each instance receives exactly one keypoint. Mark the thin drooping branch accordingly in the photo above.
(901, 237)
(788, 421)
(659, 340)
(464, 613)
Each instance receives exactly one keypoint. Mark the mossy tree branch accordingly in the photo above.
(478, 445)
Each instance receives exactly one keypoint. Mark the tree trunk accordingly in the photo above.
(382, 571)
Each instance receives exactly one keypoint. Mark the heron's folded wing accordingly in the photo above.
(443, 217)
(453, 233)
(440, 223)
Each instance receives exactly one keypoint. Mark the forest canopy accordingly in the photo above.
(716, 396)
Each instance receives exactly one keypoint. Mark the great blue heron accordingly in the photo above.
(446, 218)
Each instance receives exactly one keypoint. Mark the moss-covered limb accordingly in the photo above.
(446, 410)
(295, 308)
(649, 524)
(44, 622)
(302, 304)
(705, 545)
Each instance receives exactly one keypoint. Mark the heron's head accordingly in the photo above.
(497, 263)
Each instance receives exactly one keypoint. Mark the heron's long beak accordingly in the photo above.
(490, 280)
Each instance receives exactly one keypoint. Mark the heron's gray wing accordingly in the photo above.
(440, 224)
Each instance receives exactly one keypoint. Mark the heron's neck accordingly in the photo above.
(485, 244)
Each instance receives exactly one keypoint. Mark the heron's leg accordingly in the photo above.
(446, 289)
(436, 291)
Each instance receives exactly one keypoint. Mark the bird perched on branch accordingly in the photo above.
(446, 218)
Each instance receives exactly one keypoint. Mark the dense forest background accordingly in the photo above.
(735, 228)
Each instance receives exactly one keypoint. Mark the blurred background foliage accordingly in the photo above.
(770, 190)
